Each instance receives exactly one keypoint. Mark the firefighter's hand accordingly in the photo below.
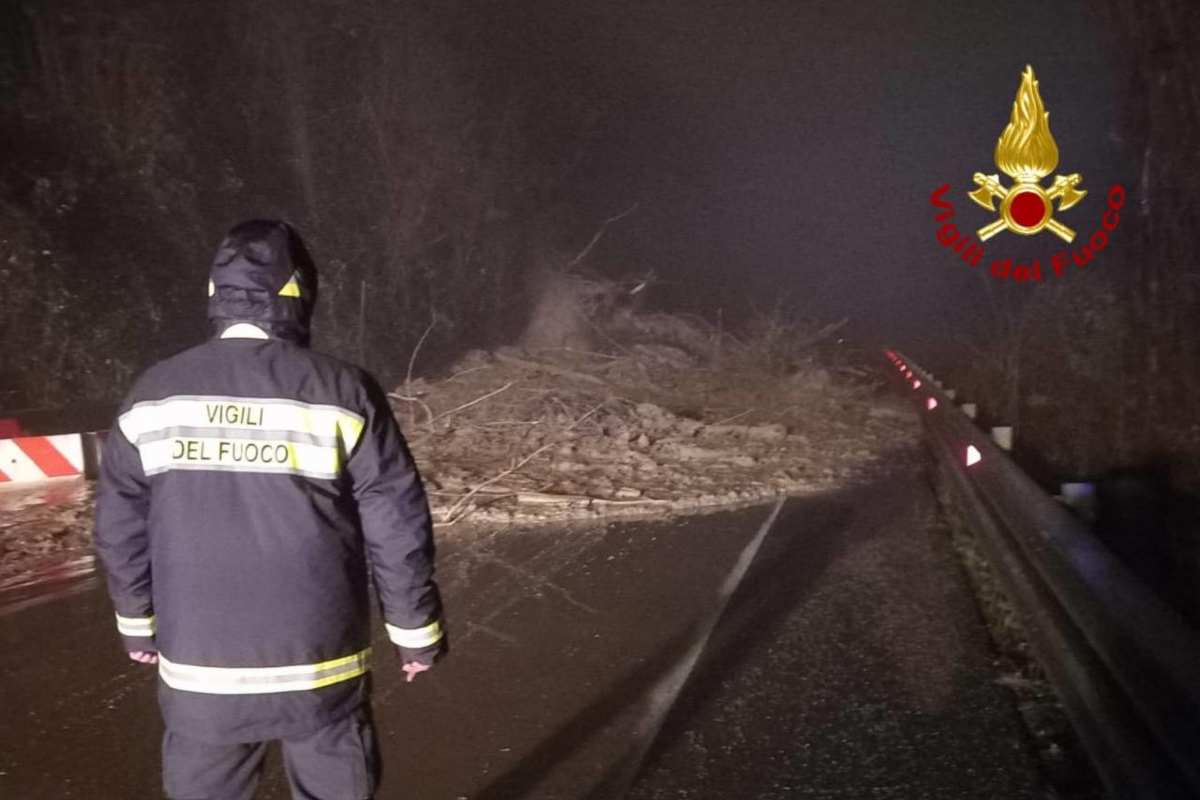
(143, 656)
(414, 668)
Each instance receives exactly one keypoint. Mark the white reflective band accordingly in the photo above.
(244, 330)
(240, 455)
(241, 434)
(251, 413)
(262, 680)
(135, 626)
(415, 638)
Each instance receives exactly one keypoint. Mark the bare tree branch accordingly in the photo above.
(600, 234)
(413, 358)
(479, 399)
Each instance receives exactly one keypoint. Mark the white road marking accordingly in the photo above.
(666, 691)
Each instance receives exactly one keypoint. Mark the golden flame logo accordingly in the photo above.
(1026, 152)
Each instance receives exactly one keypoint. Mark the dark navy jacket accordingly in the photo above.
(245, 491)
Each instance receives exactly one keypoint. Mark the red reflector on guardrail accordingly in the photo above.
(973, 455)
(931, 404)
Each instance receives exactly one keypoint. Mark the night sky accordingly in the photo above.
(790, 148)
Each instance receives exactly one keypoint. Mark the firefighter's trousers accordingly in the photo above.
(337, 762)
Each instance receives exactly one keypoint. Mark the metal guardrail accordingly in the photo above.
(1125, 664)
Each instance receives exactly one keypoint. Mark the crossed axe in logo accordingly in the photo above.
(1026, 208)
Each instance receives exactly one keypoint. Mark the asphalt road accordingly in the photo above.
(615, 660)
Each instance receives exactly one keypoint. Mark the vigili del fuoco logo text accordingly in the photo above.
(1026, 152)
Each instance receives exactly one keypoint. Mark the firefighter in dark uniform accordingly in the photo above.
(246, 490)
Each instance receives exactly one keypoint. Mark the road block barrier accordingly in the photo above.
(28, 459)
(41, 444)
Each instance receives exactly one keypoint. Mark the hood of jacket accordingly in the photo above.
(262, 274)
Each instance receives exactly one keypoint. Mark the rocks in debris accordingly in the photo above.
(655, 418)
(767, 433)
(627, 430)
(678, 450)
(762, 433)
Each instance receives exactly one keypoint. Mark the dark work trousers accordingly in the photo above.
(337, 762)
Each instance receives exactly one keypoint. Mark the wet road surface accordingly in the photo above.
(849, 662)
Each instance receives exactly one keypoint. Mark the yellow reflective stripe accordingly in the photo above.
(263, 680)
(216, 433)
(349, 430)
(415, 638)
(291, 288)
(240, 455)
(255, 413)
(135, 626)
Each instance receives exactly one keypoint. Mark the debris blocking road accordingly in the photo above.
(513, 435)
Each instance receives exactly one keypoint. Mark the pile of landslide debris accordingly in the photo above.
(641, 428)
(668, 417)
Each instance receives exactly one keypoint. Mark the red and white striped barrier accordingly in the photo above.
(28, 459)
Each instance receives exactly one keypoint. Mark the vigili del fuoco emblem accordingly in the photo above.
(1026, 152)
